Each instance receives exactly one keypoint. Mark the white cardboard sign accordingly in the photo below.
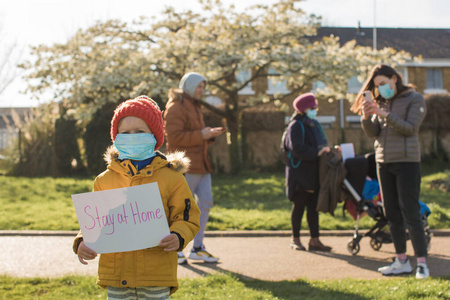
(347, 151)
(120, 220)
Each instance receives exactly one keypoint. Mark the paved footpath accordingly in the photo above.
(253, 256)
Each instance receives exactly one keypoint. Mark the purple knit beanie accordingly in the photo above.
(305, 101)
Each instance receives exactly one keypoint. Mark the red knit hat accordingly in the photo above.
(142, 107)
(305, 101)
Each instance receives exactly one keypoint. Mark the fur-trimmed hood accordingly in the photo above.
(177, 161)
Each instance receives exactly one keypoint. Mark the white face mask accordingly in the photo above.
(311, 113)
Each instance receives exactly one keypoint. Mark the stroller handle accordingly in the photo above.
(352, 190)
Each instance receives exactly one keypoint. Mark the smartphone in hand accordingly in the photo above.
(367, 95)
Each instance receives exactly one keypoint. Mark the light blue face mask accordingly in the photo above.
(311, 113)
(136, 146)
(385, 91)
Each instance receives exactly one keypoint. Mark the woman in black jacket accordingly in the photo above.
(305, 141)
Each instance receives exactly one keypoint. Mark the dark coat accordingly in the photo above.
(332, 173)
(306, 176)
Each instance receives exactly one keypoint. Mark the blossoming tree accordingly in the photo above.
(114, 61)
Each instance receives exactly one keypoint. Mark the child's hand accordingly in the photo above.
(170, 242)
(85, 253)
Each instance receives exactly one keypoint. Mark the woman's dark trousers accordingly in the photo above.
(301, 200)
(400, 188)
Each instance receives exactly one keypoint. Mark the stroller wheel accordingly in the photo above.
(353, 247)
(375, 244)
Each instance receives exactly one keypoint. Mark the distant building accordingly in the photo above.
(8, 128)
(430, 76)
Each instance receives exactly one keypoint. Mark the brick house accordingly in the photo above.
(430, 76)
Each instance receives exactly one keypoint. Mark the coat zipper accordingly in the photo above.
(387, 129)
(187, 207)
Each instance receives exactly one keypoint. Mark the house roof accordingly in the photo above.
(6, 112)
(430, 43)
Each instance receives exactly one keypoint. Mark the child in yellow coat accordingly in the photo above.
(137, 131)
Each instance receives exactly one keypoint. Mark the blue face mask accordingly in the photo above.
(136, 146)
(311, 113)
(385, 91)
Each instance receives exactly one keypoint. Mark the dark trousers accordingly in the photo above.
(400, 188)
(301, 200)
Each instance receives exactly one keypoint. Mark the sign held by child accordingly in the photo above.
(123, 219)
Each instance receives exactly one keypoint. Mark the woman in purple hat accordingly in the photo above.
(305, 141)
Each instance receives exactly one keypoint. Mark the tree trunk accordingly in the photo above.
(235, 149)
(232, 115)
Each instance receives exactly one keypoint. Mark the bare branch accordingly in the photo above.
(8, 65)
(213, 108)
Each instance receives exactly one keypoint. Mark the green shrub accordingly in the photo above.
(66, 146)
(97, 138)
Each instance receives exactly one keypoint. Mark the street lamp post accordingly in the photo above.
(374, 25)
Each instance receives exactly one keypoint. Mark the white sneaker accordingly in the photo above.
(396, 268)
(202, 254)
(181, 258)
(422, 271)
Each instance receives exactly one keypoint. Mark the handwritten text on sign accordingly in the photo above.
(123, 219)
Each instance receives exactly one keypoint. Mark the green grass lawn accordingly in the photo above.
(248, 201)
(226, 286)
(251, 201)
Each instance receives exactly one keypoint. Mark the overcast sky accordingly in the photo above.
(33, 22)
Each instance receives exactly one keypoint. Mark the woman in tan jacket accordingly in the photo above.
(186, 131)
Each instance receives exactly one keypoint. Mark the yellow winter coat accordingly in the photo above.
(153, 266)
